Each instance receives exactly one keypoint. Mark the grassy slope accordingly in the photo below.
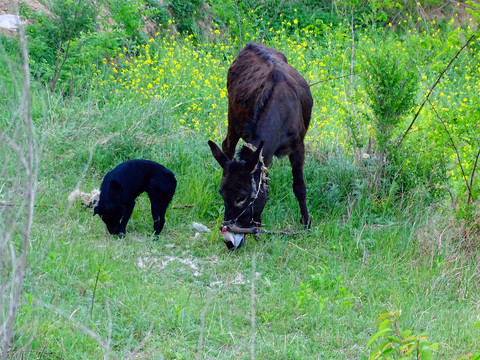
(313, 296)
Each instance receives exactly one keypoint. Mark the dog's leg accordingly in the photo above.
(127, 212)
(158, 221)
(159, 207)
(160, 196)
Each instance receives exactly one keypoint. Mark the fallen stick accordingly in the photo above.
(256, 230)
(183, 206)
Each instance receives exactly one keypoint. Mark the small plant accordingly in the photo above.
(266, 317)
(391, 85)
(304, 296)
(323, 282)
(185, 13)
(398, 344)
(127, 16)
(51, 264)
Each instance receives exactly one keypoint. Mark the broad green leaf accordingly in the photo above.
(382, 317)
(425, 355)
(394, 339)
(377, 335)
(384, 324)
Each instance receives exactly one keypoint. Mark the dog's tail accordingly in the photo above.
(74, 195)
(88, 199)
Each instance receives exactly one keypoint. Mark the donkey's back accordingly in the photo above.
(268, 100)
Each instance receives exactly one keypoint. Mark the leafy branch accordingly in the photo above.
(396, 343)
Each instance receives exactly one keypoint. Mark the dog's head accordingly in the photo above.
(109, 207)
(111, 214)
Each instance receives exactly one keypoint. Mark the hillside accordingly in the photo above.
(390, 266)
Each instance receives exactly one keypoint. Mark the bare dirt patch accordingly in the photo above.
(8, 6)
(9, 10)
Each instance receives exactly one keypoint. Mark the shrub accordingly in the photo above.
(391, 85)
(50, 36)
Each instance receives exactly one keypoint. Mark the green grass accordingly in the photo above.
(315, 296)
(88, 295)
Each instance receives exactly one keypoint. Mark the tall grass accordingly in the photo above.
(17, 192)
(89, 295)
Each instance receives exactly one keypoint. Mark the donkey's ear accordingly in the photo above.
(218, 154)
(252, 163)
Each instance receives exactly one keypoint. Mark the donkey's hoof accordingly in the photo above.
(307, 222)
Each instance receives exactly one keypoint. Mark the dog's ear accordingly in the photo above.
(96, 210)
(115, 186)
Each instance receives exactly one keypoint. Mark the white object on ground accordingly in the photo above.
(200, 227)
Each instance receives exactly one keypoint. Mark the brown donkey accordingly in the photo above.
(269, 107)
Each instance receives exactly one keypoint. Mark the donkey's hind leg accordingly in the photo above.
(297, 159)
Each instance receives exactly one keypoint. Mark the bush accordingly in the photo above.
(50, 36)
(391, 85)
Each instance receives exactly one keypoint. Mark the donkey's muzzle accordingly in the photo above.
(232, 240)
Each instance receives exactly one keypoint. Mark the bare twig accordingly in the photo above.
(422, 12)
(456, 151)
(58, 69)
(252, 309)
(399, 12)
(239, 22)
(186, 206)
(201, 335)
(25, 164)
(137, 348)
(272, 21)
(109, 333)
(80, 326)
(334, 78)
(25, 347)
(351, 68)
(352, 99)
(94, 292)
(452, 198)
(472, 176)
(55, 73)
(256, 230)
(433, 87)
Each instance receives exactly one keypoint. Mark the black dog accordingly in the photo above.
(125, 183)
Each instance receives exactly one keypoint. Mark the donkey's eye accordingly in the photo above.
(241, 200)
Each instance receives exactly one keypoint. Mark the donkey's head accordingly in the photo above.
(244, 191)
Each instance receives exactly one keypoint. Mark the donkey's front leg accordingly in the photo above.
(231, 140)
(229, 144)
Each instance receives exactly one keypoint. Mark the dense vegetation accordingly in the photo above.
(390, 267)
